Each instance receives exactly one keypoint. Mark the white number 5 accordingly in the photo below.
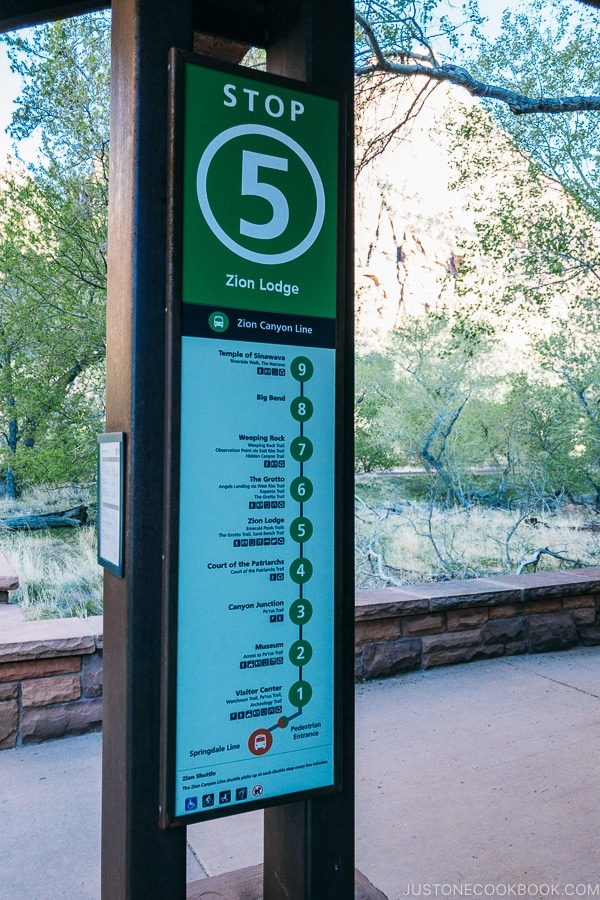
(251, 186)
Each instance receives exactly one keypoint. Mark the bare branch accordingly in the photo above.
(535, 559)
(519, 104)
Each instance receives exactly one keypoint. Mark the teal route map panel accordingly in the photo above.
(256, 573)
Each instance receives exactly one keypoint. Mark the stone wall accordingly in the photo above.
(51, 671)
(50, 677)
(417, 627)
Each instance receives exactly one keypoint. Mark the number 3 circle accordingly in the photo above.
(201, 187)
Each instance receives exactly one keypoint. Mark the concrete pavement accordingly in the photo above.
(474, 780)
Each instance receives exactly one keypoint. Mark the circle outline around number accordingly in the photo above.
(293, 570)
(201, 191)
(308, 650)
(301, 520)
(302, 703)
(310, 448)
(293, 615)
(295, 484)
(296, 362)
(308, 407)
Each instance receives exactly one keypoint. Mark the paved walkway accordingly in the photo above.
(481, 779)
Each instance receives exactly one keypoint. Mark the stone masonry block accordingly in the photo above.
(548, 605)
(584, 600)
(418, 625)
(503, 630)
(513, 648)
(461, 655)
(9, 691)
(390, 657)
(385, 603)
(377, 630)
(9, 724)
(43, 691)
(42, 723)
(38, 668)
(506, 611)
(466, 594)
(91, 676)
(45, 638)
(553, 631)
(450, 641)
(543, 585)
(460, 619)
(96, 626)
(9, 580)
(589, 635)
(584, 616)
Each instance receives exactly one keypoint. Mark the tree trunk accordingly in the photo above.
(70, 518)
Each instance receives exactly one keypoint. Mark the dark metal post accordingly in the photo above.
(309, 846)
(139, 860)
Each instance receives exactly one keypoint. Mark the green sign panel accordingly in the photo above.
(254, 683)
(260, 179)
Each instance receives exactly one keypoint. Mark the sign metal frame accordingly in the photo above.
(115, 562)
(178, 60)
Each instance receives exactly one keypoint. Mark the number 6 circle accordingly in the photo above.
(201, 188)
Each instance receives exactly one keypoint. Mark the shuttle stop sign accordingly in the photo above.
(255, 682)
(260, 195)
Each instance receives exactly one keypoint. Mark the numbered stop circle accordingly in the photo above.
(301, 409)
(302, 368)
(301, 448)
(301, 489)
(300, 653)
(301, 570)
(301, 611)
(300, 693)
(301, 529)
(275, 211)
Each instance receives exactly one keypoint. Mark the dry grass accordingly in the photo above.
(397, 542)
(58, 573)
(409, 542)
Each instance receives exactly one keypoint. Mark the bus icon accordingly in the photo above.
(260, 741)
(218, 321)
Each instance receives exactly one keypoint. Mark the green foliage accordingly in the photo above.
(439, 400)
(550, 48)
(53, 221)
(374, 374)
(536, 262)
(420, 390)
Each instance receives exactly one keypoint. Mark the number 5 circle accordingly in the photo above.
(251, 185)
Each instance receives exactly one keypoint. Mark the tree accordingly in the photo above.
(549, 45)
(53, 220)
(408, 38)
(536, 263)
(419, 392)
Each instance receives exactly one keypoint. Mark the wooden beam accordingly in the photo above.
(25, 13)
